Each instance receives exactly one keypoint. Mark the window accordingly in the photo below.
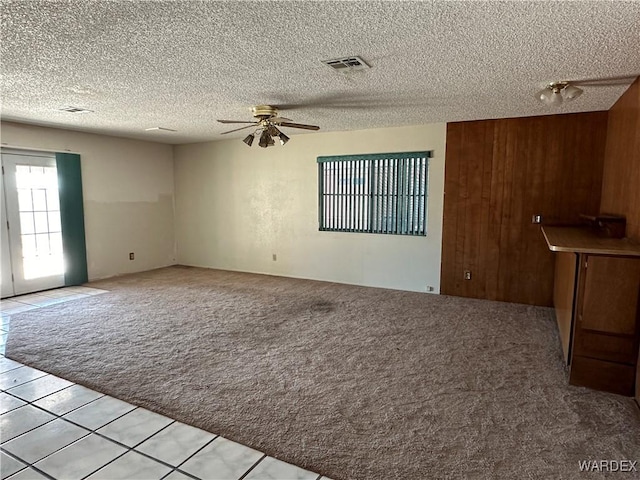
(380, 193)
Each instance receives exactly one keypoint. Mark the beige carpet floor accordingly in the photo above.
(352, 382)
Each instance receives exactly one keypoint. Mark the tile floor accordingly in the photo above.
(51, 428)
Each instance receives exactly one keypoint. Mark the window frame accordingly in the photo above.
(386, 190)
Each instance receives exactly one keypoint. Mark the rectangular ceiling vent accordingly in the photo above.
(75, 110)
(347, 64)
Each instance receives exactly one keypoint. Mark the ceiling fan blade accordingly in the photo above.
(241, 128)
(279, 120)
(234, 121)
(299, 125)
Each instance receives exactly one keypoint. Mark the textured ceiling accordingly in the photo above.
(184, 64)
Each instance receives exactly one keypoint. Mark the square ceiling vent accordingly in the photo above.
(347, 64)
(75, 110)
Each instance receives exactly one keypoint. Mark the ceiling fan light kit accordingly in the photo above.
(267, 126)
(557, 92)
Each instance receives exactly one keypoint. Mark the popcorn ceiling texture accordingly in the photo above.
(352, 382)
(184, 64)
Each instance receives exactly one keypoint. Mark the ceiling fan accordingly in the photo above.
(267, 124)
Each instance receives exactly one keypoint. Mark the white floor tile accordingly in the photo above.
(97, 414)
(58, 293)
(176, 443)
(5, 322)
(10, 308)
(75, 296)
(81, 458)
(28, 474)
(222, 459)
(175, 475)
(24, 298)
(135, 427)
(272, 469)
(9, 465)
(87, 290)
(130, 466)
(68, 399)
(44, 440)
(8, 403)
(38, 300)
(7, 364)
(40, 387)
(18, 376)
(29, 299)
(21, 420)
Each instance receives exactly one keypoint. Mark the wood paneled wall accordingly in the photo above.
(498, 174)
(621, 178)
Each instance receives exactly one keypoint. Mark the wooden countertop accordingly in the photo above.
(583, 240)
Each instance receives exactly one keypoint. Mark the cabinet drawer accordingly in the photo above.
(601, 375)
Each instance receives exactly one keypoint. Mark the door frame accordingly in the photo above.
(21, 285)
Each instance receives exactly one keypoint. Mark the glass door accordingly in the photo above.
(33, 214)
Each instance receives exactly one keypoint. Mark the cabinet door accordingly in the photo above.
(611, 294)
(608, 310)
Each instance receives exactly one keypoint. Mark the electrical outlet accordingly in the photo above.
(430, 288)
(536, 219)
(467, 274)
(132, 256)
(274, 257)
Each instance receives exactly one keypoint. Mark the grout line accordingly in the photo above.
(30, 430)
(88, 432)
(27, 467)
(244, 475)
(153, 434)
(33, 380)
(95, 432)
(6, 390)
(9, 454)
(108, 463)
(131, 449)
(177, 468)
(7, 371)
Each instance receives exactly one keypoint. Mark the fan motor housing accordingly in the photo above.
(264, 111)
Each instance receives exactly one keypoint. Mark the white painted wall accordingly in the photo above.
(236, 206)
(128, 195)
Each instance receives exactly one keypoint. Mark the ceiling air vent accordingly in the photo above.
(347, 64)
(160, 129)
(75, 110)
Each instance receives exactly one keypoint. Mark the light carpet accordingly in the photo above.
(351, 382)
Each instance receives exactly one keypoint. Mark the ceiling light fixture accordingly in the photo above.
(556, 92)
(264, 139)
(266, 126)
(267, 135)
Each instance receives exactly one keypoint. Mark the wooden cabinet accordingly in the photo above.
(596, 296)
